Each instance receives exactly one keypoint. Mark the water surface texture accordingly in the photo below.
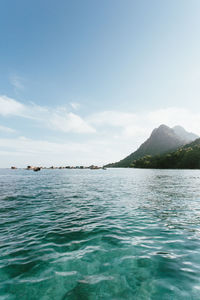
(114, 234)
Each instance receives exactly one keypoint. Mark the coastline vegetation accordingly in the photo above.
(186, 157)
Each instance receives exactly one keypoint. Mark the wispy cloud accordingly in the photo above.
(24, 151)
(53, 118)
(69, 122)
(75, 105)
(111, 135)
(17, 82)
(124, 124)
(11, 107)
(6, 129)
(142, 123)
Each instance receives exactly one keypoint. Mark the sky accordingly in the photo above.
(85, 82)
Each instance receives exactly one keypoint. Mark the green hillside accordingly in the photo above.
(186, 157)
(161, 140)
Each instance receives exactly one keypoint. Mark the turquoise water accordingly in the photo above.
(115, 234)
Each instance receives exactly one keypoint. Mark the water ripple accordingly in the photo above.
(120, 234)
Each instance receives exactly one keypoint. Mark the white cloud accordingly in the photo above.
(113, 118)
(176, 116)
(115, 134)
(127, 124)
(22, 151)
(55, 119)
(120, 124)
(17, 82)
(70, 122)
(7, 129)
(135, 124)
(75, 105)
(11, 107)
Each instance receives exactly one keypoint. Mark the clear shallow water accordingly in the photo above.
(115, 234)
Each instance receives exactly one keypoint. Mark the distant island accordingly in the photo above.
(166, 148)
(36, 168)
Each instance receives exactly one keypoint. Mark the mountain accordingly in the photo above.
(186, 157)
(162, 139)
(185, 135)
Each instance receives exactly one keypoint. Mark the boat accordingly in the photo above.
(36, 169)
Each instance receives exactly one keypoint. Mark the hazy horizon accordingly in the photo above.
(85, 82)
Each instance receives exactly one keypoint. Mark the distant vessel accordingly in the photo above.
(92, 167)
(29, 168)
(13, 168)
(36, 169)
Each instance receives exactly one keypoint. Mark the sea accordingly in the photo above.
(100, 234)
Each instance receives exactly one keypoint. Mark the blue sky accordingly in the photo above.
(86, 81)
